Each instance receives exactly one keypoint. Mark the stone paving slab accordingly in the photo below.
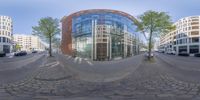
(146, 83)
(75, 98)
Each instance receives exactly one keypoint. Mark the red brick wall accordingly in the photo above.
(66, 45)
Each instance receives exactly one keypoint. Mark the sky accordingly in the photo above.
(26, 13)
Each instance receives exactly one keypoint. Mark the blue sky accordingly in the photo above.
(26, 13)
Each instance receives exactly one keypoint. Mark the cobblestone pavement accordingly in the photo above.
(53, 82)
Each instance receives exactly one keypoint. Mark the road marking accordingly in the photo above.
(68, 57)
(75, 60)
(50, 63)
(21, 63)
(89, 63)
(85, 59)
(53, 65)
(10, 56)
(80, 60)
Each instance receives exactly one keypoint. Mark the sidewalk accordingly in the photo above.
(102, 71)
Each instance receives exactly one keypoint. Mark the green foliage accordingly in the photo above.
(17, 47)
(47, 29)
(154, 23)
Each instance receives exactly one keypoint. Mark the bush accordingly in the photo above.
(197, 55)
(183, 54)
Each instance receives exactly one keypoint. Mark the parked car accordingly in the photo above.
(197, 55)
(171, 52)
(168, 52)
(184, 54)
(2, 54)
(21, 53)
(161, 51)
(34, 51)
(147, 54)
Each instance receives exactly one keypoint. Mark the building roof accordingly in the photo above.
(102, 10)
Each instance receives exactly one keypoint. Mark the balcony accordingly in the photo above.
(195, 27)
(195, 33)
(195, 20)
(195, 23)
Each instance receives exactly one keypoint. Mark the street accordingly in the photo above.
(38, 77)
(11, 69)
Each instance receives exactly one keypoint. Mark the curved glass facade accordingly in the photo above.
(104, 36)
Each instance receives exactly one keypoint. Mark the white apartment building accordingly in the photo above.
(29, 42)
(156, 44)
(185, 38)
(6, 30)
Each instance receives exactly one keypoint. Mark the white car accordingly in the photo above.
(147, 54)
(173, 52)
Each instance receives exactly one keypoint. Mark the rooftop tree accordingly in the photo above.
(47, 28)
(154, 23)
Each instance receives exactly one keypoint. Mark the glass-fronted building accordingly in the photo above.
(100, 34)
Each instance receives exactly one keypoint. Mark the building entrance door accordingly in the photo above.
(101, 51)
(128, 51)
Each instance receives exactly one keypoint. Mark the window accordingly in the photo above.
(4, 39)
(195, 39)
(194, 49)
(180, 41)
(182, 48)
(104, 40)
(184, 41)
(174, 43)
(195, 33)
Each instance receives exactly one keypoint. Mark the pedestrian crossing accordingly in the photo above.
(79, 60)
(10, 56)
(89, 63)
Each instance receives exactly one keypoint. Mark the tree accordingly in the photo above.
(17, 47)
(47, 28)
(56, 43)
(154, 23)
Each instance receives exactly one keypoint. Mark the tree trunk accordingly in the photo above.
(150, 39)
(50, 54)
